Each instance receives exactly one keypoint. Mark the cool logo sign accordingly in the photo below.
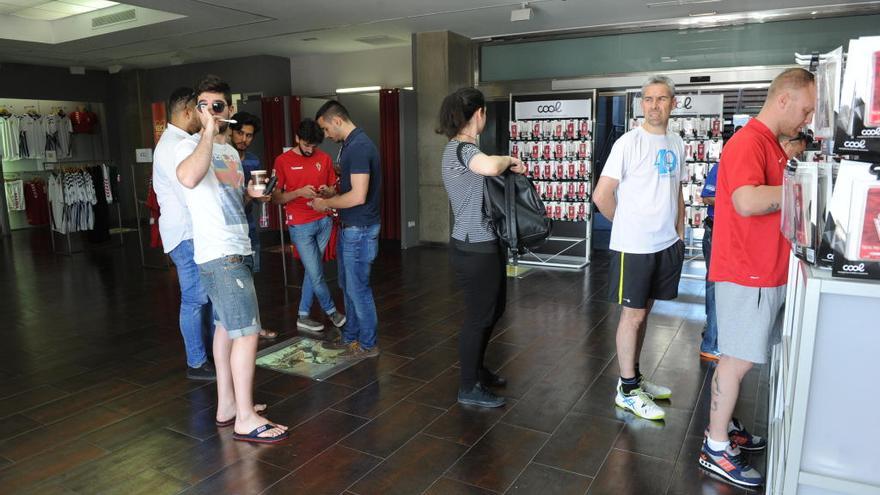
(858, 145)
(854, 268)
(554, 108)
(871, 132)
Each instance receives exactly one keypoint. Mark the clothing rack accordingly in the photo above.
(63, 166)
(138, 203)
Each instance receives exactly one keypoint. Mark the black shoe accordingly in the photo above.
(204, 372)
(490, 379)
(479, 396)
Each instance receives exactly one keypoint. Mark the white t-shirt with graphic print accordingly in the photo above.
(216, 204)
(650, 168)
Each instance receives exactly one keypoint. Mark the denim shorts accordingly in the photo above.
(229, 282)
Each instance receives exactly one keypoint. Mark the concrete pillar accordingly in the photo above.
(442, 62)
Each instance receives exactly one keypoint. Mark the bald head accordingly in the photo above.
(790, 103)
(791, 80)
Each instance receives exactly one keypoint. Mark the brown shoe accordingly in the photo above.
(355, 351)
(336, 345)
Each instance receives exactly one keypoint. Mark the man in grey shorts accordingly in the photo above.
(750, 264)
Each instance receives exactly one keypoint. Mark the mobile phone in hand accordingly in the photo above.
(270, 185)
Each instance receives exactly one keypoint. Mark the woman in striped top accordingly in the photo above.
(477, 258)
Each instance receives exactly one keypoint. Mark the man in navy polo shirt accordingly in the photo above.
(358, 205)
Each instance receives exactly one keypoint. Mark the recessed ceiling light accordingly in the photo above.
(360, 89)
(60, 9)
(704, 14)
(814, 12)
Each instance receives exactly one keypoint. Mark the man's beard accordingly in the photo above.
(223, 127)
(304, 153)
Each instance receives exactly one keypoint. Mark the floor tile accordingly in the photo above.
(412, 469)
(498, 458)
(581, 444)
(385, 434)
(627, 473)
(549, 481)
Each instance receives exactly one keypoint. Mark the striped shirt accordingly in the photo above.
(465, 190)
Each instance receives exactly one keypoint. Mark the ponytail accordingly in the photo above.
(457, 110)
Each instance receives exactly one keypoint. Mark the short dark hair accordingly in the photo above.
(245, 118)
(179, 98)
(213, 84)
(457, 109)
(333, 109)
(310, 132)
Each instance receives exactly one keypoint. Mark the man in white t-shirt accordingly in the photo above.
(175, 228)
(640, 191)
(210, 170)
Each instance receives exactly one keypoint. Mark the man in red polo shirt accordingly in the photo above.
(305, 173)
(750, 264)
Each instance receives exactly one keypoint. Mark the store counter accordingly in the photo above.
(824, 414)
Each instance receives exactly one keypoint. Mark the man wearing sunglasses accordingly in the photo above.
(210, 171)
(177, 236)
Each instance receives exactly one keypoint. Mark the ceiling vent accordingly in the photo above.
(380, 40)
(103, 21)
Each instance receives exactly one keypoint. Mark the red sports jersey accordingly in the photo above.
(749, 251)
(294, 172)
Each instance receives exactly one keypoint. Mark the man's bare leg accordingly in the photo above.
(241, 359)
(222, 345)
(725, 392)
(628, 329)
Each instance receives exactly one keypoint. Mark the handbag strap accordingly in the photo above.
(510, 206)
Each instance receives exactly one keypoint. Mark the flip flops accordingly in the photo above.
(254, 436)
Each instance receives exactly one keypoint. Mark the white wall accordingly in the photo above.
(317, 75)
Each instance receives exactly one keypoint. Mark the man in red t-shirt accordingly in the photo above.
(750, 264)
(305, 173)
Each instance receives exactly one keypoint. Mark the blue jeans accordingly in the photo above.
(357, 248)
(311, 239)
(710, 332)
(195, 309)
(229, 283)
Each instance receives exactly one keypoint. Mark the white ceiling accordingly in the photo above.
(219, 29)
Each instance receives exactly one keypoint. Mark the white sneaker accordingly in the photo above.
(654, 390)
(639, 403)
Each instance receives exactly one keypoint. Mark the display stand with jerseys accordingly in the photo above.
(699, 120)
(553, 136)
(147, 214)
(35, 132)
(71, 198)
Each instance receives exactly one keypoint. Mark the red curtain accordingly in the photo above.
(273, 140)
(389, 153)
(295, 110)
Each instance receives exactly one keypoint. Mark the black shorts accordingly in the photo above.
(636, 278)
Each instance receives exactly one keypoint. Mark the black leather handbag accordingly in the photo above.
(516, 212)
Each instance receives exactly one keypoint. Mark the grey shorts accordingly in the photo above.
(229, 282)
(749, 320)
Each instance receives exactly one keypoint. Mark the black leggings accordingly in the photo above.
(483, 279)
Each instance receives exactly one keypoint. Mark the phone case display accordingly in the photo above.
(554, 139)
(806, 191)
(698, 119)
(858, 114)
(855, 208)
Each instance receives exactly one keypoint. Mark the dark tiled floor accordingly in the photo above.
(93, 397)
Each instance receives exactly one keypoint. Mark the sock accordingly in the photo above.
(716, 446)
(629, 384)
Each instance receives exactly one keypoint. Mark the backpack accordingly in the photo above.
(516, 212)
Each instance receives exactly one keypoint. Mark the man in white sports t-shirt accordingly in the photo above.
(210, 170)
(640, 191)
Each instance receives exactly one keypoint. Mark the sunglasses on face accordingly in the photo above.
(216, 106)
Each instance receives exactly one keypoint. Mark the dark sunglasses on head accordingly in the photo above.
(216, 106)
